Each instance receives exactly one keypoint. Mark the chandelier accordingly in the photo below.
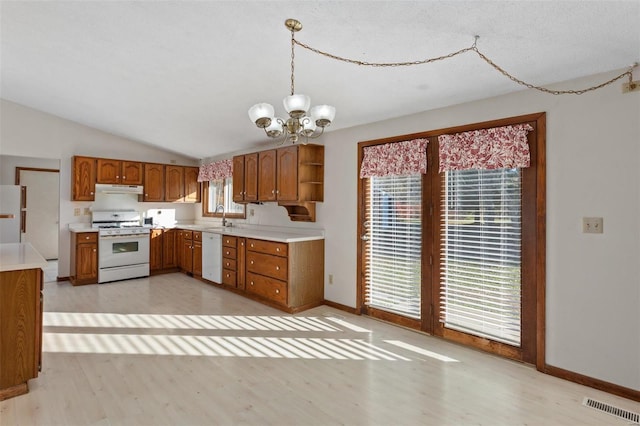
(302, 121)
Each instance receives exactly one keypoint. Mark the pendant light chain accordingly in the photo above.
(473, 48)
(293, 55)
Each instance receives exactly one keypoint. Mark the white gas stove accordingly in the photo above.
(123, 251)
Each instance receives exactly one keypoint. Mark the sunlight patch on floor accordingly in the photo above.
(190, 322)
(217, 346)
(420, 351)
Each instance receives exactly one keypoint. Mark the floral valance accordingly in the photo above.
(213, 171)
(395, 159)
(496, 148)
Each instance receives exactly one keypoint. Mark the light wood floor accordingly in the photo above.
(173, 350)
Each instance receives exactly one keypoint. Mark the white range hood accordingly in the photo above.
(119, 189)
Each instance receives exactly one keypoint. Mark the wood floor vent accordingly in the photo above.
(630, 416)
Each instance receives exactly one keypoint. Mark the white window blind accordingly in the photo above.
(393, 246)
(481, 253)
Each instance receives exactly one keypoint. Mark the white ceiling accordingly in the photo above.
(181, 75)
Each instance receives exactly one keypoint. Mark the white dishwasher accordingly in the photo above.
(212, 256)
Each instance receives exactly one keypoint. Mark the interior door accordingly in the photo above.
(41, 226)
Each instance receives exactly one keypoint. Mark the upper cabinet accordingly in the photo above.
(84, 179)
(161, 182)
(153, 182)
(267, 175)
(245, 178)
(191, 185)
(119, 172)
(173, 183)
(181, 184)
(292, 176)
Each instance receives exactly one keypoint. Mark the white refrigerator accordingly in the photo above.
(10, 208)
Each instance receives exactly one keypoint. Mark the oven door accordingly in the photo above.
(123, 250)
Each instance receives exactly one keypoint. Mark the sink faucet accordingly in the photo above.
(224, 219)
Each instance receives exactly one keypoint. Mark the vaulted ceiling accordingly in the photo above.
(181, 75)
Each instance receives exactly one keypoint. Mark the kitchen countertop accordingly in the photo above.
(20, 256)
(279, 234)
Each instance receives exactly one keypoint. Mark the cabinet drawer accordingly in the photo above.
(228, 241)
(229, 252)
(197, 236)
(229, 277)
(268, 288)
(268, 247)
(87, 237)
(229, 263)
(187, 235)
(265, 264)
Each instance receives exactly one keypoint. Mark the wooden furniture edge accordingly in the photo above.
(592, 382)
(16, 390)
(342, 307)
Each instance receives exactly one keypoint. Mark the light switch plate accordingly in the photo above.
(592, 225)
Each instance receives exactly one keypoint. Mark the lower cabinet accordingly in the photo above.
(162, 251)
(20, 330)
(289, 276)
(84, 258)
(190, 252)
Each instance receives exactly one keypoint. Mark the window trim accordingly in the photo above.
(207, 213)
(534, 214)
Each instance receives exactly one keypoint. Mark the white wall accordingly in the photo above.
(593, 169)
(30, 133)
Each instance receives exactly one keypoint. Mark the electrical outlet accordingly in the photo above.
(330, 278)
(592, 225)
(76, 211)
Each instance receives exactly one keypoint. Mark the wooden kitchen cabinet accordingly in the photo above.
(181, 184)
(162, 251)
(287, 176)
(288, 275)
(245, 178)
(156, 247)
(84, 258)
(230, 261)
(173, 183)
(267, 175)
(119, 172)
(291, 176)
(20, 330)
(192, 188)
(169, 249)
(84, 179)
(197, 254)
(153, 182)
(190, 248)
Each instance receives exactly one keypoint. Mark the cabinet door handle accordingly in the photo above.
(251, 282)
(91, 193)
(86, 238)
(124, 177)
(277, 291)
(277, 268)
(251, 245)
(228, 275)
(94, 250)
(251, 262)
(273, 191)
(277, 248)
